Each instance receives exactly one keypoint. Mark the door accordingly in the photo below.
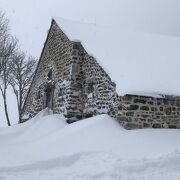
(49, 98)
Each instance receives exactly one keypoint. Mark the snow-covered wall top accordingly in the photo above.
(136, 61)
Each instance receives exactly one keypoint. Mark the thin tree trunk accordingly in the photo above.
(20, 104)
(6, 109)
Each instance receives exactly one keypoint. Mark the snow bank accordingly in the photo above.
(46, 147)
(136, 61)
(12, 108)
(41, 125)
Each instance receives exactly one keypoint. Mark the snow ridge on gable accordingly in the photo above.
(136, 61)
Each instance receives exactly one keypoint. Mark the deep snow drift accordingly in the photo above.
(46, 147)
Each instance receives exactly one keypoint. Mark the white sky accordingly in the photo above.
(30, 19)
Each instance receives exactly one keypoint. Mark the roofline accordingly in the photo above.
(165, 97)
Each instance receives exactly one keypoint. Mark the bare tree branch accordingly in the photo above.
(22, 72)
(8, 45)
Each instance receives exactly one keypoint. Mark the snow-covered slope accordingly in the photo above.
(136, 61)
(48, 148)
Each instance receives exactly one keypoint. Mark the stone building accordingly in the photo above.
(71, 81)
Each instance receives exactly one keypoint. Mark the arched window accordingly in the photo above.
(50, 74)
(60, 93)
(89, 88)
(74, 70)
(39, 95)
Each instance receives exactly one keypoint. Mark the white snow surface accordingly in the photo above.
(12, 109)
(137, 61)
(98, 148)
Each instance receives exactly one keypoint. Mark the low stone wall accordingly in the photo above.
(148, 112)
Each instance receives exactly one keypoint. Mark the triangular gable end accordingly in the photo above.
(57, 56)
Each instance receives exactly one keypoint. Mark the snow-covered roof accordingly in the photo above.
(136, 61)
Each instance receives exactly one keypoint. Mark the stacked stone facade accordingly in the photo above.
(70, 81)
(79, 86)
(149, 112)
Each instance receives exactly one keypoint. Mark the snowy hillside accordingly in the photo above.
(48, 148)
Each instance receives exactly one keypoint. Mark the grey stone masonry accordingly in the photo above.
(149, 112)
(71, 82)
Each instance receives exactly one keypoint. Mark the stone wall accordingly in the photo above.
(99, 92)
(148, 112)
(80, 86)
(58, 57)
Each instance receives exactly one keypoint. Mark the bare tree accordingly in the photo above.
(3, 36)
(8, 46)
(22, 72)
(15, 68)
(5, 70)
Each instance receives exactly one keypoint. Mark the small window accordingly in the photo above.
(90, 88)
(38, 95)
(60, 92)
(74, 70)
(75, 46)
(50, 74)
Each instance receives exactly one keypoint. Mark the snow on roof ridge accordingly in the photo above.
(136, 61)
(148, 94)
(58, 19)
(117, 27)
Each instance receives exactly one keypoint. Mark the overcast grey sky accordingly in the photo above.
(30, 19)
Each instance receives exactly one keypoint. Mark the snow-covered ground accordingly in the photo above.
(12, 109)
(48, 148)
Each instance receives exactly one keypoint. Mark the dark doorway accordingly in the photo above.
(49, 97)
